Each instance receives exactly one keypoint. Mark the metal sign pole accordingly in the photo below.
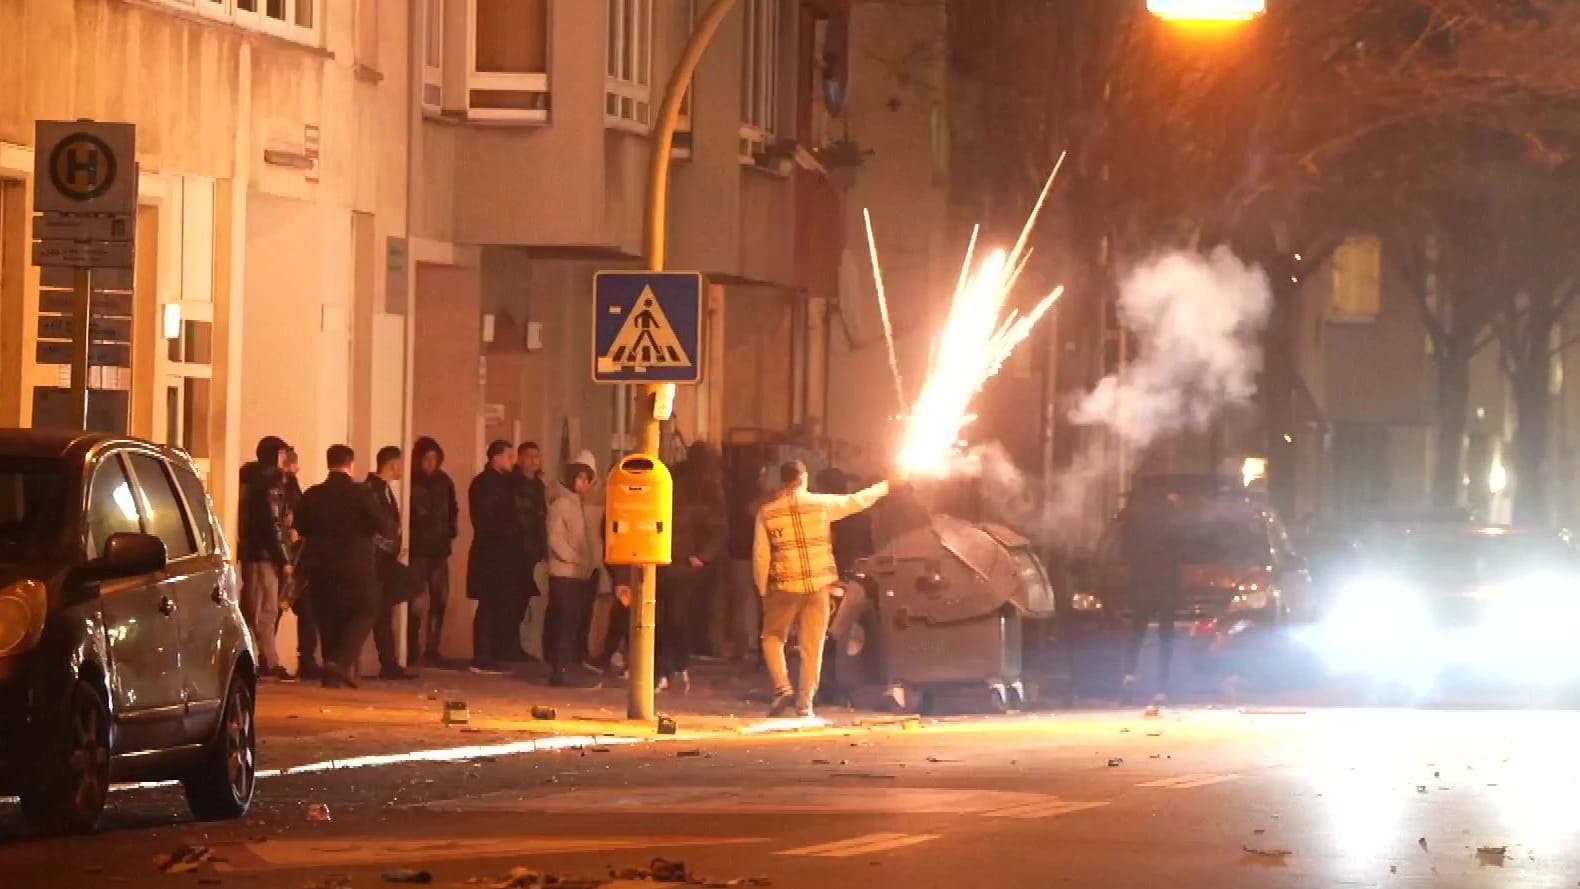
(80, 337)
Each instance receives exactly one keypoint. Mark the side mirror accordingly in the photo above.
(127, 555)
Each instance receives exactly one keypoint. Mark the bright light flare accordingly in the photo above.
(1207, 10)
(976, 340)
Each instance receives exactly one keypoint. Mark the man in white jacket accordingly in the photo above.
(574, 561)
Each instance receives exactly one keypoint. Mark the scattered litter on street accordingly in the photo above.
(456, 713)
(333, 881)
(939, 759)
(693, 754)
(1492, 856)
(1276, 855)
(1116, 762)
(821, 762)
(877, 775)
(407, 875)
(183, 860)
(542, 712)
(666, 725)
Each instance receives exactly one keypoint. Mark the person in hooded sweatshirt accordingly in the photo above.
(574, 561)
(263, 548)
(496, 568)
(435, 522)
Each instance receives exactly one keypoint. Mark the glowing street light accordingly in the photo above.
(1207, 10)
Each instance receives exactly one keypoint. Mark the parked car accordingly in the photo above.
(1240, 584)
(123, 654)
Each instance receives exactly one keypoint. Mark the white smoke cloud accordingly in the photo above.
(1197, 322)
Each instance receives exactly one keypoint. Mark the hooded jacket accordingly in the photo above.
(261, 532)
(435, 512)
(573, 547)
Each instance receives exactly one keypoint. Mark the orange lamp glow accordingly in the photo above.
(1207, 10)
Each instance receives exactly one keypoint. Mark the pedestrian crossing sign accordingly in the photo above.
(647, 327)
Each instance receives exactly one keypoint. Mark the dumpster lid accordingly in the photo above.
(992, 567)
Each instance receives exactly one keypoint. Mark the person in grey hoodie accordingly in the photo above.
(574, 560)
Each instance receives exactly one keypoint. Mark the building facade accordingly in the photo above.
(368, 220)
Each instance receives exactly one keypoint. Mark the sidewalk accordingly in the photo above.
(302, 723)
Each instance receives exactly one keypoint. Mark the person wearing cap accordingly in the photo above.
(496, 566)
(574, 561)
(263, 548)
(794, 567)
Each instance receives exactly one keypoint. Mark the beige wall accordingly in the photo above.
(446, 404)
(894, 97)
(261, 249)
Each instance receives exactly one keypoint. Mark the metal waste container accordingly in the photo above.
(943, 605)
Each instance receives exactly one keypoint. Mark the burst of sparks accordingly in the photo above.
(976, 340)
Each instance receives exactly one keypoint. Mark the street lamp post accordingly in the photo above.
(639, 706)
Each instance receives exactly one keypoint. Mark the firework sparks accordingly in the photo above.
(976, 340)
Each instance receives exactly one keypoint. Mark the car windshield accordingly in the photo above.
(1223, 542)
(1482, 557)
(32, 494)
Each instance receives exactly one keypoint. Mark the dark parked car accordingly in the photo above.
(123, 655)
(1240, 584)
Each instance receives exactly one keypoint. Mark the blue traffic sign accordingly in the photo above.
(647, 327)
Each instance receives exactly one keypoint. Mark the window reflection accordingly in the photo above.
(124, 502)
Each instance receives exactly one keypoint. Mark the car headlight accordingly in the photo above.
(1086, 602)
(22, 606)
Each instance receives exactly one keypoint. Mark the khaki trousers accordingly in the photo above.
(809, 614)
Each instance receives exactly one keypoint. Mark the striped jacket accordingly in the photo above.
(794, 547)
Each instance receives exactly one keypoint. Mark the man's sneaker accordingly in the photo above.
(277, 673)
(663, 683)
(783, 706)
(683, 682)
(396, 674)
(310, 673)
(804, 713)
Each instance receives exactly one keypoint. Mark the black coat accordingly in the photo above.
(338, 520)
(532, 501)
(435, 515)
(387, 546)
(497, 566)
(261, 521)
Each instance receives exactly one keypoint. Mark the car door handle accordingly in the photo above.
(167, 606)
(219, 596)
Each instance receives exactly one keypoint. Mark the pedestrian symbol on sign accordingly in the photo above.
(646, 340)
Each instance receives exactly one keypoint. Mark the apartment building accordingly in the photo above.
(271, 157)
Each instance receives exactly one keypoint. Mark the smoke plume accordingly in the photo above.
(1196, 321)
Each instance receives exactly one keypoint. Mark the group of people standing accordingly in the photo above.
(329, 553)
(334, 554)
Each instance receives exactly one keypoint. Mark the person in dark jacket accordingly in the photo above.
(307, 654)
(391, 574)
(532, 501)
(339, 521)
(262, 548)
(496, 570)
(1152, 559)
(435, 522)
(700, 542)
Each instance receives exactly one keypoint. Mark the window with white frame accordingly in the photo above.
(684, 24)
(432, 55)
(628, 85)
(297, 20)
(508, 46)
(760, 75)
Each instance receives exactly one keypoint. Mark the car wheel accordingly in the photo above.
(221, 787)
(69, 791)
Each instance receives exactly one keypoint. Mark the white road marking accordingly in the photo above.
(1044, 810)
(1188, 782)
(871, 844)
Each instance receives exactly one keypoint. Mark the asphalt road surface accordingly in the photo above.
(1204, 798)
